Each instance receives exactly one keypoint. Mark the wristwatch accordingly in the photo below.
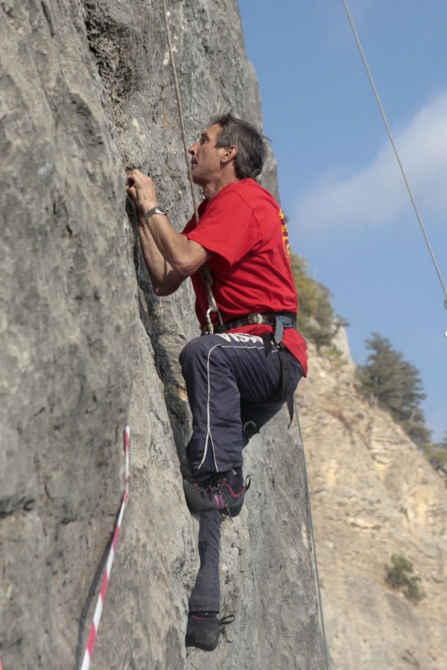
(154, 210)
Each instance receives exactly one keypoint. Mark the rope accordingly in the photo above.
(382, 111)
(205, 271)
(106, 577)
(314, 544)
(180, 112)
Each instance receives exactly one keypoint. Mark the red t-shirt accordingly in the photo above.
(245, 228)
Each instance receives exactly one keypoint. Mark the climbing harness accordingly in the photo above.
(312, 534)
(280, 320)
(393, 144)
(106, 577)
(283, 392)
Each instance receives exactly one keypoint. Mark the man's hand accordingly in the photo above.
(140, 188)
(169, 256)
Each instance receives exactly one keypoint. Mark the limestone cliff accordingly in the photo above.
(373, 495)
(87, 91)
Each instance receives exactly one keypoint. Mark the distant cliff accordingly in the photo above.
(87, 91)
(373, 496)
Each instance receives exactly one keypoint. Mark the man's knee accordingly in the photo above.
(190, 350)
(197, 348)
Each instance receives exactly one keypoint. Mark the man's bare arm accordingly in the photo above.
(169, 256)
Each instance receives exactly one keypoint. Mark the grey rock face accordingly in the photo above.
(85, 347)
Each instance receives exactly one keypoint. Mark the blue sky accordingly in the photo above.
(340, 185)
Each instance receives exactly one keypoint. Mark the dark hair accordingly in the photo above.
(252, 146)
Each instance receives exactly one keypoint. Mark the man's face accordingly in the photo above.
(206, 157)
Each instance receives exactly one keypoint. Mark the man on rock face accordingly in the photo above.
(251, 357)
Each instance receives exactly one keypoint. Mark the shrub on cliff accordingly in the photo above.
(399, 578)
(316, 319)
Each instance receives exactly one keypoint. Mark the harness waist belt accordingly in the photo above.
(280, 320)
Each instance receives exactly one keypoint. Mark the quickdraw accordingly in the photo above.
(207, 279)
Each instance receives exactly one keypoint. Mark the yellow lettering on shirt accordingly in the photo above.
(285, 232)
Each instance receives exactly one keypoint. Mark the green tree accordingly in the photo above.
(316, 320)
(396, 385)
(437, 454)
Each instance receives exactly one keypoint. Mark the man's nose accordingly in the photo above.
(192, 149)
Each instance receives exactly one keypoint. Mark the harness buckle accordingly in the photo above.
(281, 322)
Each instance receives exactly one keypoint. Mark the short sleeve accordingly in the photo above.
(228, 227)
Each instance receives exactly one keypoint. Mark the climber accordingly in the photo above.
(248, 364)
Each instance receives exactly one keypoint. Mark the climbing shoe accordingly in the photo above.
(223, 491)
(203, 630)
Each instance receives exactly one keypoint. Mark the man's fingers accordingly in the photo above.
(140, 188)
(138, 179)
(131, 181)
(131, 189)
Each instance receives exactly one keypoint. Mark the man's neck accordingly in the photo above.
(212, 189)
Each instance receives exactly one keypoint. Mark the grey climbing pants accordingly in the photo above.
(230, 380)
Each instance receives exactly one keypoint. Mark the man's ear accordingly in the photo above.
(229, 154)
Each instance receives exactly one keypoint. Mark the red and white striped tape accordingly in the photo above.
(105, 580)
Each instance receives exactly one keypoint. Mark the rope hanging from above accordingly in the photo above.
(180, 111)
(312, 534)
(205, 271)
(393, 144)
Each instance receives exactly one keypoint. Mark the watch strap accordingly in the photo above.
(154, 210)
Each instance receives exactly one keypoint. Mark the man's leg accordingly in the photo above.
(255, 415)
(223, 376)
(219, 370)
(205, 596)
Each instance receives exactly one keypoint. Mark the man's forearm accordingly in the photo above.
(184, 256)
(164, 279)
(169, 256)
